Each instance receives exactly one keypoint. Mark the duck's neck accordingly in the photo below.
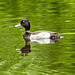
(28, 31)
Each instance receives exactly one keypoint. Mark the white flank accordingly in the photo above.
(42, 35)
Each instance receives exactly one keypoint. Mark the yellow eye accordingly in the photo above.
(23, 21)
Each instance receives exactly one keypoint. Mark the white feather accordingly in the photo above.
(42, 35)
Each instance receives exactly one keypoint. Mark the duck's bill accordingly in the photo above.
(18, 25)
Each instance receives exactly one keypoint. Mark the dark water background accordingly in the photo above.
(44, 59)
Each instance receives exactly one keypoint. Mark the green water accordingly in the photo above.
(44, 59)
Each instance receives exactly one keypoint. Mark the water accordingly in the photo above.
(43, 59)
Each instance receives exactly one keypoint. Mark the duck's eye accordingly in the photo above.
(23, 21)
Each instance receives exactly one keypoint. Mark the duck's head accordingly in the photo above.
(25, 23)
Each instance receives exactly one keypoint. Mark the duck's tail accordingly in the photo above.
(61, 35)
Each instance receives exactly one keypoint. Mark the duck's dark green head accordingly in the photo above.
(25, 23)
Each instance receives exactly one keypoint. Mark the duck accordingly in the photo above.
(37, 34)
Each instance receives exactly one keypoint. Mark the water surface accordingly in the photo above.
(44, 59)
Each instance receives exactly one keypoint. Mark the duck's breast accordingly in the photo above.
(41, 35)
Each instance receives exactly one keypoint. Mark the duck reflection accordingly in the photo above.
(26, 49)
(45, 41)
